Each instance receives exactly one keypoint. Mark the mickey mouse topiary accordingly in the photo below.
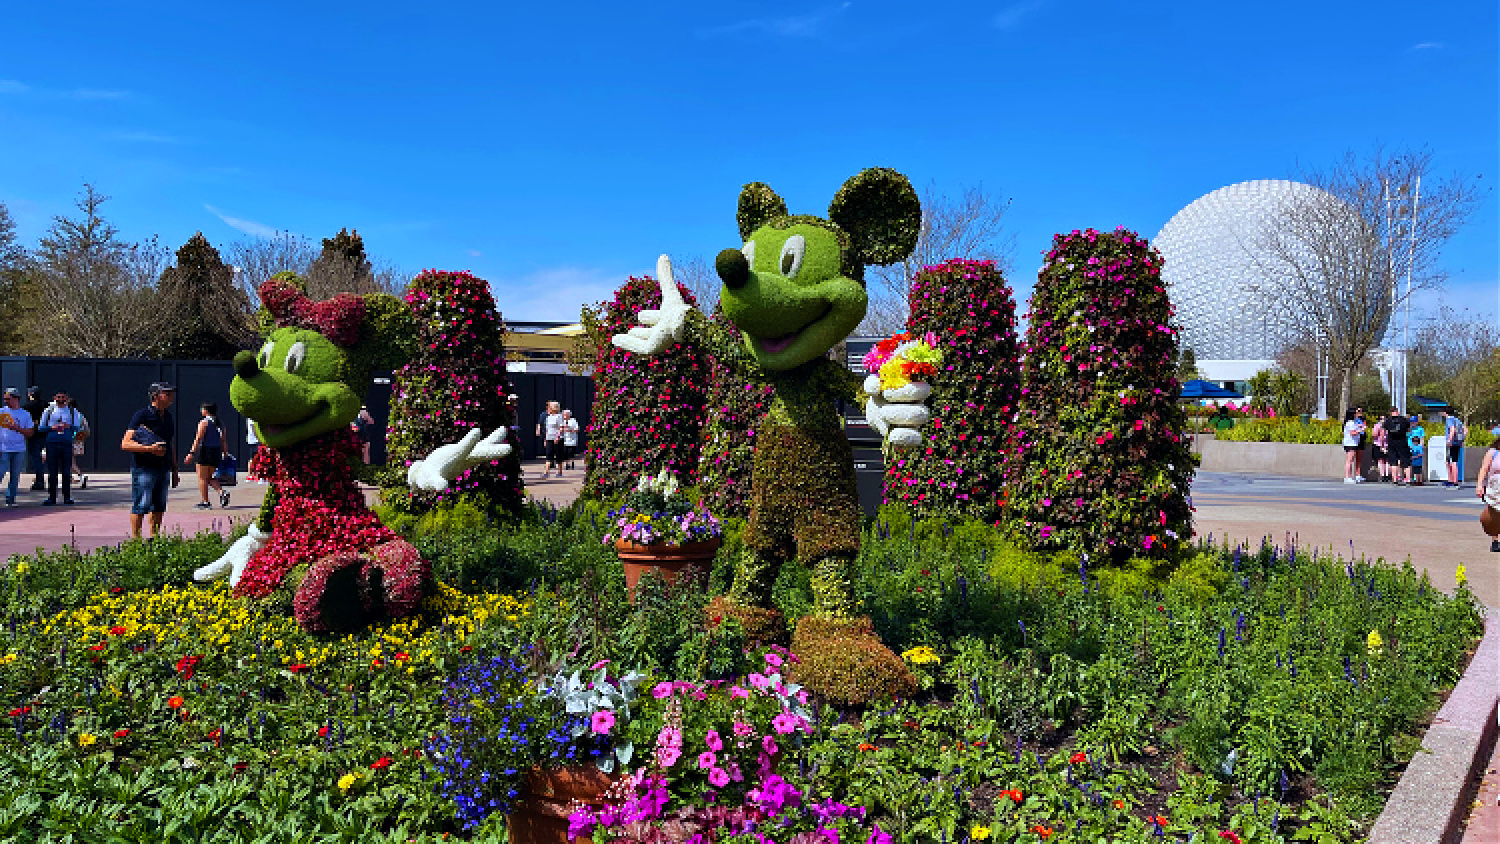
(315, 545)
(794, 291)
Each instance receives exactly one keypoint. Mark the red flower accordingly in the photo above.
(1158, 820)
(323, 730)
(19, 711)
(297, 667)
(98, 647)
(400, 656)
(465, 649)
(175, 701)
(1229, 836)
(117, 631)
(187, 665)
(121, 733)
(381, 764)
(1078, 758)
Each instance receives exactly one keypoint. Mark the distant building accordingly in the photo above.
(540, 347)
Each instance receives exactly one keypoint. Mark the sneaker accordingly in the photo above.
(51, 502)
(203, 505)
(1359, 479)
(1495, 544)
(68, 501)
(1349, 480)
(10, 502)
(84, 484)
(38, 487)
(224, 499)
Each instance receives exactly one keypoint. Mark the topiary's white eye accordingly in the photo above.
(791, 255)
(264, 358)
(295, 356)
(749, 252)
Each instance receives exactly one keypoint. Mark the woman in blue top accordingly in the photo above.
(208, 452)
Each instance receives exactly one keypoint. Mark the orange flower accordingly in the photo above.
(866, 747)
(1014, 794)
(1044, 831)
(174, 701)
(1119, 804)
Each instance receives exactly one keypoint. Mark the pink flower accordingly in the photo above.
(707, 759)
(768, 744)
(759, 681)
(736, 691)
(742, 729)
(784, 723)
(718, 777)
(598, 665)
(668, 756)
(773, 660)
(661, 690)
(603, 721)
(713, 741)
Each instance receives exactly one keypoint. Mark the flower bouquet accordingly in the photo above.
(901, 361)
(661, 530)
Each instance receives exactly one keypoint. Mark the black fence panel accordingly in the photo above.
(535, 389)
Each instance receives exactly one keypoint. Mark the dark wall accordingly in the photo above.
(109, 392)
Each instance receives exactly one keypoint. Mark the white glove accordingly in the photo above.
(234, 560)
(438, 469)
(663, 326)
(897, 414)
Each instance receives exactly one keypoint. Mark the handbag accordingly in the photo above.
(228, 472)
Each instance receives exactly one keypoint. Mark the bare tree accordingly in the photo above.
(701, 279)
(971, 226)
(95, 286)
(260, 258)
(1455, 356)
(1339, 258)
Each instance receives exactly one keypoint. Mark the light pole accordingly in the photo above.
(1400, 208)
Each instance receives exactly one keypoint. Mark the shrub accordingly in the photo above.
(648, 411)
(456, 382)
(968, 307)
(1100, 461)
(1284, 430)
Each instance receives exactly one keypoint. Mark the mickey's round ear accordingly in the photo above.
(758, 205)
(880, 211)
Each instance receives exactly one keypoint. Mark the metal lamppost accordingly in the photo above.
(1401, 207)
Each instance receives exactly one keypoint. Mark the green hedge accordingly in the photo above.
(1285, 429)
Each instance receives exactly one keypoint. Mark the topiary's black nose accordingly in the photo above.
(733, 269)
(245, 365)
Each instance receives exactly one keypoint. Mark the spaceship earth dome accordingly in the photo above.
(1227, 299)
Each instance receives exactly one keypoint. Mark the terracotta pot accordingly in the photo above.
(668, 561)
(548, 797)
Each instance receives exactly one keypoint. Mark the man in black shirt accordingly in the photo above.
(1397, 426)
(151, 441)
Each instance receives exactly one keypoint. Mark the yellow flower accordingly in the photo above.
(979, 833)
(891, 376)
(1462, 575)
(86, 739)
(1373, 641)
(921, 655)
(347, 781)
(21, 567)
(8, 659)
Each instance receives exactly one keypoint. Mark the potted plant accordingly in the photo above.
(660, 529)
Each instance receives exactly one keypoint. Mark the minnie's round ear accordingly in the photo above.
(758, 205)
(880, 211)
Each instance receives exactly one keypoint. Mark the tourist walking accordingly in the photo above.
(1454, 433)
(1354, 428)
(150, 439)
(1418, 441)
(60, 422)
(34, 406)
(1488, 491)
(208, 453)
(16, 428)
(364, 428)
(569, 438)
(552, 438)
(1380, 455)
(1397, 426)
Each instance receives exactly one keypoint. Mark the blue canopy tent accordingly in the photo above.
(1200, 389)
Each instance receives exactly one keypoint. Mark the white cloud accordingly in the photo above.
(1011, 16)
(554, 294)
(475, 253)
(249, 227)
(1428, 45)
(785, 26)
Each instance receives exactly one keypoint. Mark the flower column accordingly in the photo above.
(1101, 463)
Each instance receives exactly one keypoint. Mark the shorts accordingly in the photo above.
(554, 450)
(210, 456)
(1399, 459)
(1350, 448)
(148, 490)
(1454, 451)
(1377, 453)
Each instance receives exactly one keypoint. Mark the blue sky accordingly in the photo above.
(557, 149)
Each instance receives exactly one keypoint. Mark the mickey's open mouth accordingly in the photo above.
(275, 429)
(776, 345)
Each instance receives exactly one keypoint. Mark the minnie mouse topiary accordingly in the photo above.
(315, 545)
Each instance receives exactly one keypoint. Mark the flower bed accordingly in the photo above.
(1249, 695)
(1286, 429)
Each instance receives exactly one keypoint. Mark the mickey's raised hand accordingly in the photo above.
(438, 469)
(660, 327)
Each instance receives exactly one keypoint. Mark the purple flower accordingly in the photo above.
(878, 836)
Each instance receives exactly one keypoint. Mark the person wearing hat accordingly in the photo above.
(34, 442)
(15, 427)
(151, 441)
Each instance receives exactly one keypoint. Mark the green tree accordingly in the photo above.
(20, 298)
(1187, 365)
(202, 285)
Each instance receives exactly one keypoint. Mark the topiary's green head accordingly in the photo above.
(796, 288)
(311, 375)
